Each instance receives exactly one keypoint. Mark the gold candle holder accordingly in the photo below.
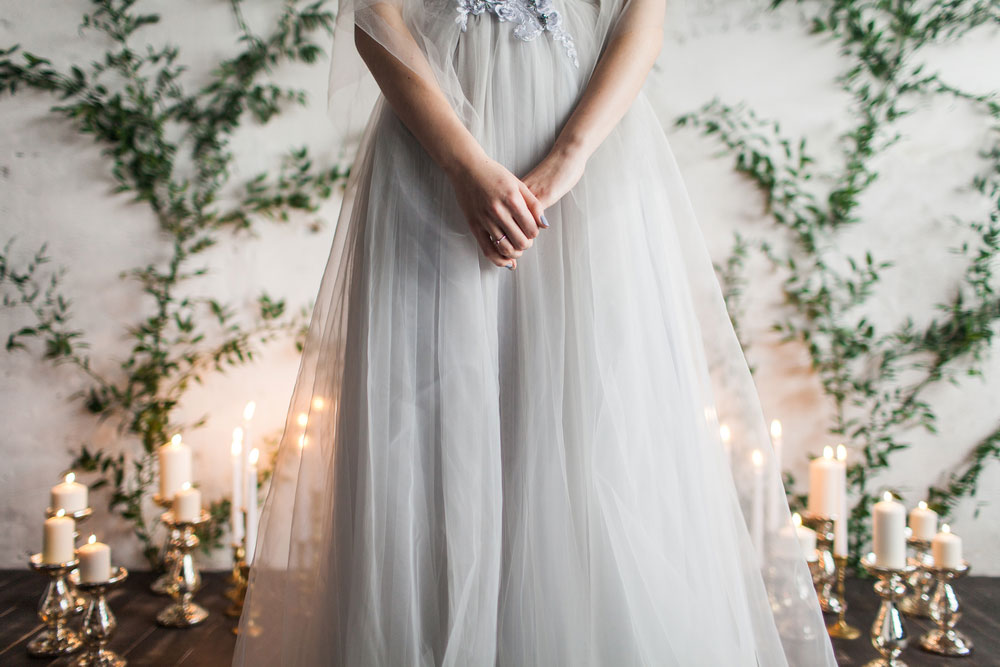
(917, 602)
(824, 568)
(185, 579)
(99, 624)
(55, 607)
(888, 634)
(79, 516)
(237, 592)
(841, 629)
(945, 639)
(252, 629)
(168, 554)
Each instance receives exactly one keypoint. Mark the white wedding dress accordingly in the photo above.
(521, 468)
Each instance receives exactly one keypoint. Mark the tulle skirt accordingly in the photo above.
(523, 467)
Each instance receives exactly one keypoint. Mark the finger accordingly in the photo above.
(503, 218)
(504, 246)
(489, 250)
(534, 205)
(523, 216)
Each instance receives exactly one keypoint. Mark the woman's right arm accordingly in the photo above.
(495, 202)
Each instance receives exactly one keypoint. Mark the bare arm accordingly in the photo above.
(495, 202)
(613, 86)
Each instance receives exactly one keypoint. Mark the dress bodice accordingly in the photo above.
(533, 17)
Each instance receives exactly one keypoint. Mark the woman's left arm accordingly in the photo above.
(613, 86)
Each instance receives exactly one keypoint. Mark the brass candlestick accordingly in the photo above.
(168, 554)
(79, 516)
(841, 629)
(185, 579)
(917, 602)
(252, 629)
(99, 624)
(55, 607)
(888, 634)
(945, 639)
(824, 568)
(238, 591)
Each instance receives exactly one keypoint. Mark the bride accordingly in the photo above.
(503, 446)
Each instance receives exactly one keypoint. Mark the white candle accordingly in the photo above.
(236, 507)
(68, 495)
(248, 412)
(175, 467)
(806, 538)
(923, 522)
(57, 539)
(95, 561)
(826, 477)
(840, 523)
(889, 538)
(946, 548)
(252, 505)
(757, 506)
(187, 503)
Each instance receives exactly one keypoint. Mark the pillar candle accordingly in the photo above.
(946, 548)
(95, 561)
(236, 507)
(888, 525)
(923, 522)
(57, 539)
(187, 503)
(252, 506)
(805, 537)
(68, 495)
(826, 478)
(840, 523)
(175, 466)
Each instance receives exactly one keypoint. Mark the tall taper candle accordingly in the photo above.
(252, 505)
(840, 524)
(757, 506)
(888, 532)
(776, 499)
(236, 507)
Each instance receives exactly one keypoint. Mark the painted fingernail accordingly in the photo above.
(510, 265)
(545, 223)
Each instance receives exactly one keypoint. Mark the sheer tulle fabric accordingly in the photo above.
(521, 468)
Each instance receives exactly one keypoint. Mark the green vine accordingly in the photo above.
(875, 380)
(169, 149)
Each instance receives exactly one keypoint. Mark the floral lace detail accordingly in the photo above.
(533, 17)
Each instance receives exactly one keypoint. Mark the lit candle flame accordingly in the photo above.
(797, 519)
(237, 434)
(887, 496)
(61, 512)
(775, 428)
(70, 478)
(945, 528)
(757, 458)
(303, 419)
(185, 486)
(725, 433)
(248, 410)
(176, 440)
(92, 539)
(254, 455)
(841, 452)
(828, 452)
(922, 505)
(318, 403)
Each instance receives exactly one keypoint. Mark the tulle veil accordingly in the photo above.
(283, 621)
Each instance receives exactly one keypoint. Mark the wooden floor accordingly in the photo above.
(210, 644)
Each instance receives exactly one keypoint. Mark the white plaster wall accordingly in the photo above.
(54, 188)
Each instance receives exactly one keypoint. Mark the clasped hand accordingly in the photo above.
(505, 212)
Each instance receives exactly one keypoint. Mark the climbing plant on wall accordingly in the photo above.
(877, 379)
(167, 142)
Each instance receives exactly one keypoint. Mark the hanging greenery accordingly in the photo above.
(876, 379)
(169, 149)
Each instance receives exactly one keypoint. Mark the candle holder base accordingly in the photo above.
(185, 579)
(917, 603)
(888, 635)
(78, 516)
(824, 568)
(55, 607)
(945, 639)
(161, 585)
(841, 629)
(99, 623)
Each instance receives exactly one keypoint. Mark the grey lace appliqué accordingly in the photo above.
(533, 17)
